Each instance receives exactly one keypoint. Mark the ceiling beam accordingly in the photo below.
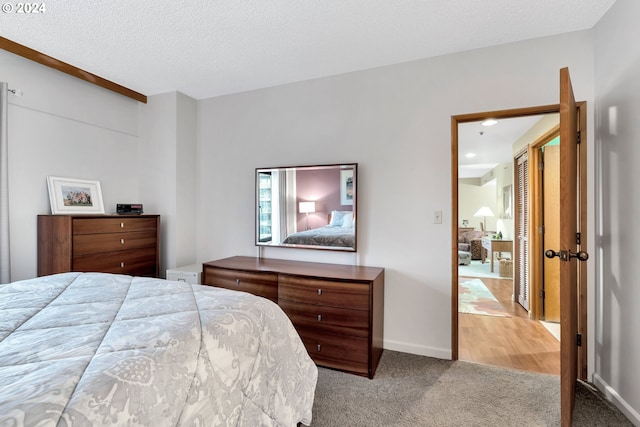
(41, 58)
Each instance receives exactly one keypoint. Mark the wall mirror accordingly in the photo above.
(311, 207)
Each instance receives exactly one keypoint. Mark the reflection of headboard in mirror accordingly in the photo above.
(311, 207)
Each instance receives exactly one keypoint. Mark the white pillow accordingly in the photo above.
(347, 220)
(336, 218)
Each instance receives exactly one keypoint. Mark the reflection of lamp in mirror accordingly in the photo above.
(484, 212)
(307, 208)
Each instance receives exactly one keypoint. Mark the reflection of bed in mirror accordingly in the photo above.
(340, 232)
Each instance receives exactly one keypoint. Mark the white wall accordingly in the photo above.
(168, 172)
(186, 184)
(472, 197)
(395, 122)
(617, 88)
(62, 126)
(504, 178)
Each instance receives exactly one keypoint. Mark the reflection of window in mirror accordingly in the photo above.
(264, 207)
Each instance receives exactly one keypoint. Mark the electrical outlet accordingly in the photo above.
(437, 216)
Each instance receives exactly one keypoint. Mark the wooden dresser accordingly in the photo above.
(338, 310)
(125, 244)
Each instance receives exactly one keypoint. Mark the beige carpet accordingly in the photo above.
(410, 390)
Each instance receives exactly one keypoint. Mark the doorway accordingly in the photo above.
(534, 312)
(495, 326)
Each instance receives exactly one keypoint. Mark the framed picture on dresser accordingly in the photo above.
(74, 196)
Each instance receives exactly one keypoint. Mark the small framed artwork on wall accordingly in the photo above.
(74, 196)
(346, 187)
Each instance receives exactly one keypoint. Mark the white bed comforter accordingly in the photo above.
(100, 349)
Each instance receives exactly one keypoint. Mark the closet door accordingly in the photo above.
(522, 231)
(552, 226)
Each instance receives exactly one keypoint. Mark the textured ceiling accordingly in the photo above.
(210, 48)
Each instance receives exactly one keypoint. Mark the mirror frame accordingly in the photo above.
(326, 204)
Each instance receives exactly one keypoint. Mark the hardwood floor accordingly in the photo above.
(511, 342)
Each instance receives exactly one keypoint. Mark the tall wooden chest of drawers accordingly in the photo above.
(338, 310)
(125, 244)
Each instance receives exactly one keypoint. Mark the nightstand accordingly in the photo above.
(190, 274)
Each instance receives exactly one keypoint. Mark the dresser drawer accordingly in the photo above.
(126, 244)
(137, 262)
(112, 225)
(84, 244)
(257, 283)
(349, 295)
(340, 321)
(334, 351)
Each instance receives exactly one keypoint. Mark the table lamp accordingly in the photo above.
(306, 208)
(484, 212)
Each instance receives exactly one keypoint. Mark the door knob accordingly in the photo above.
(550, 253)
(566, 255)
(581, 255)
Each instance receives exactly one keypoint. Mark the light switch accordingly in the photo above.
(437, 216)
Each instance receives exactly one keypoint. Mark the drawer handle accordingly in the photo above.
(319, 317)
(319, 347)
(122, 265)
(122, 225)
(319, 291)
(122, 241)
(238, 282)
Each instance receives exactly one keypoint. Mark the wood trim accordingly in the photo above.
(505, 114)
(583, 229)
(454, 238)
(535, 238)
(41, 58)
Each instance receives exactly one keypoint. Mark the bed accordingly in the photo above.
(339, 232)
(323, 236)
(79, 349)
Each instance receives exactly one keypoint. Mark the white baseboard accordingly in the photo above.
(615, 398)
(438, 353)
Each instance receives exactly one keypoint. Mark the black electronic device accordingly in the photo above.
(129, 209)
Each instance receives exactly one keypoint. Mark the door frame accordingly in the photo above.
(582, 271)
(536, 239)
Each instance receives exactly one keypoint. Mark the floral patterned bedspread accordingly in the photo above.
(324, 236)
(86, 349)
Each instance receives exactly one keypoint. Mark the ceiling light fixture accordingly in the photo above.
(470, 155)
(489, 122)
